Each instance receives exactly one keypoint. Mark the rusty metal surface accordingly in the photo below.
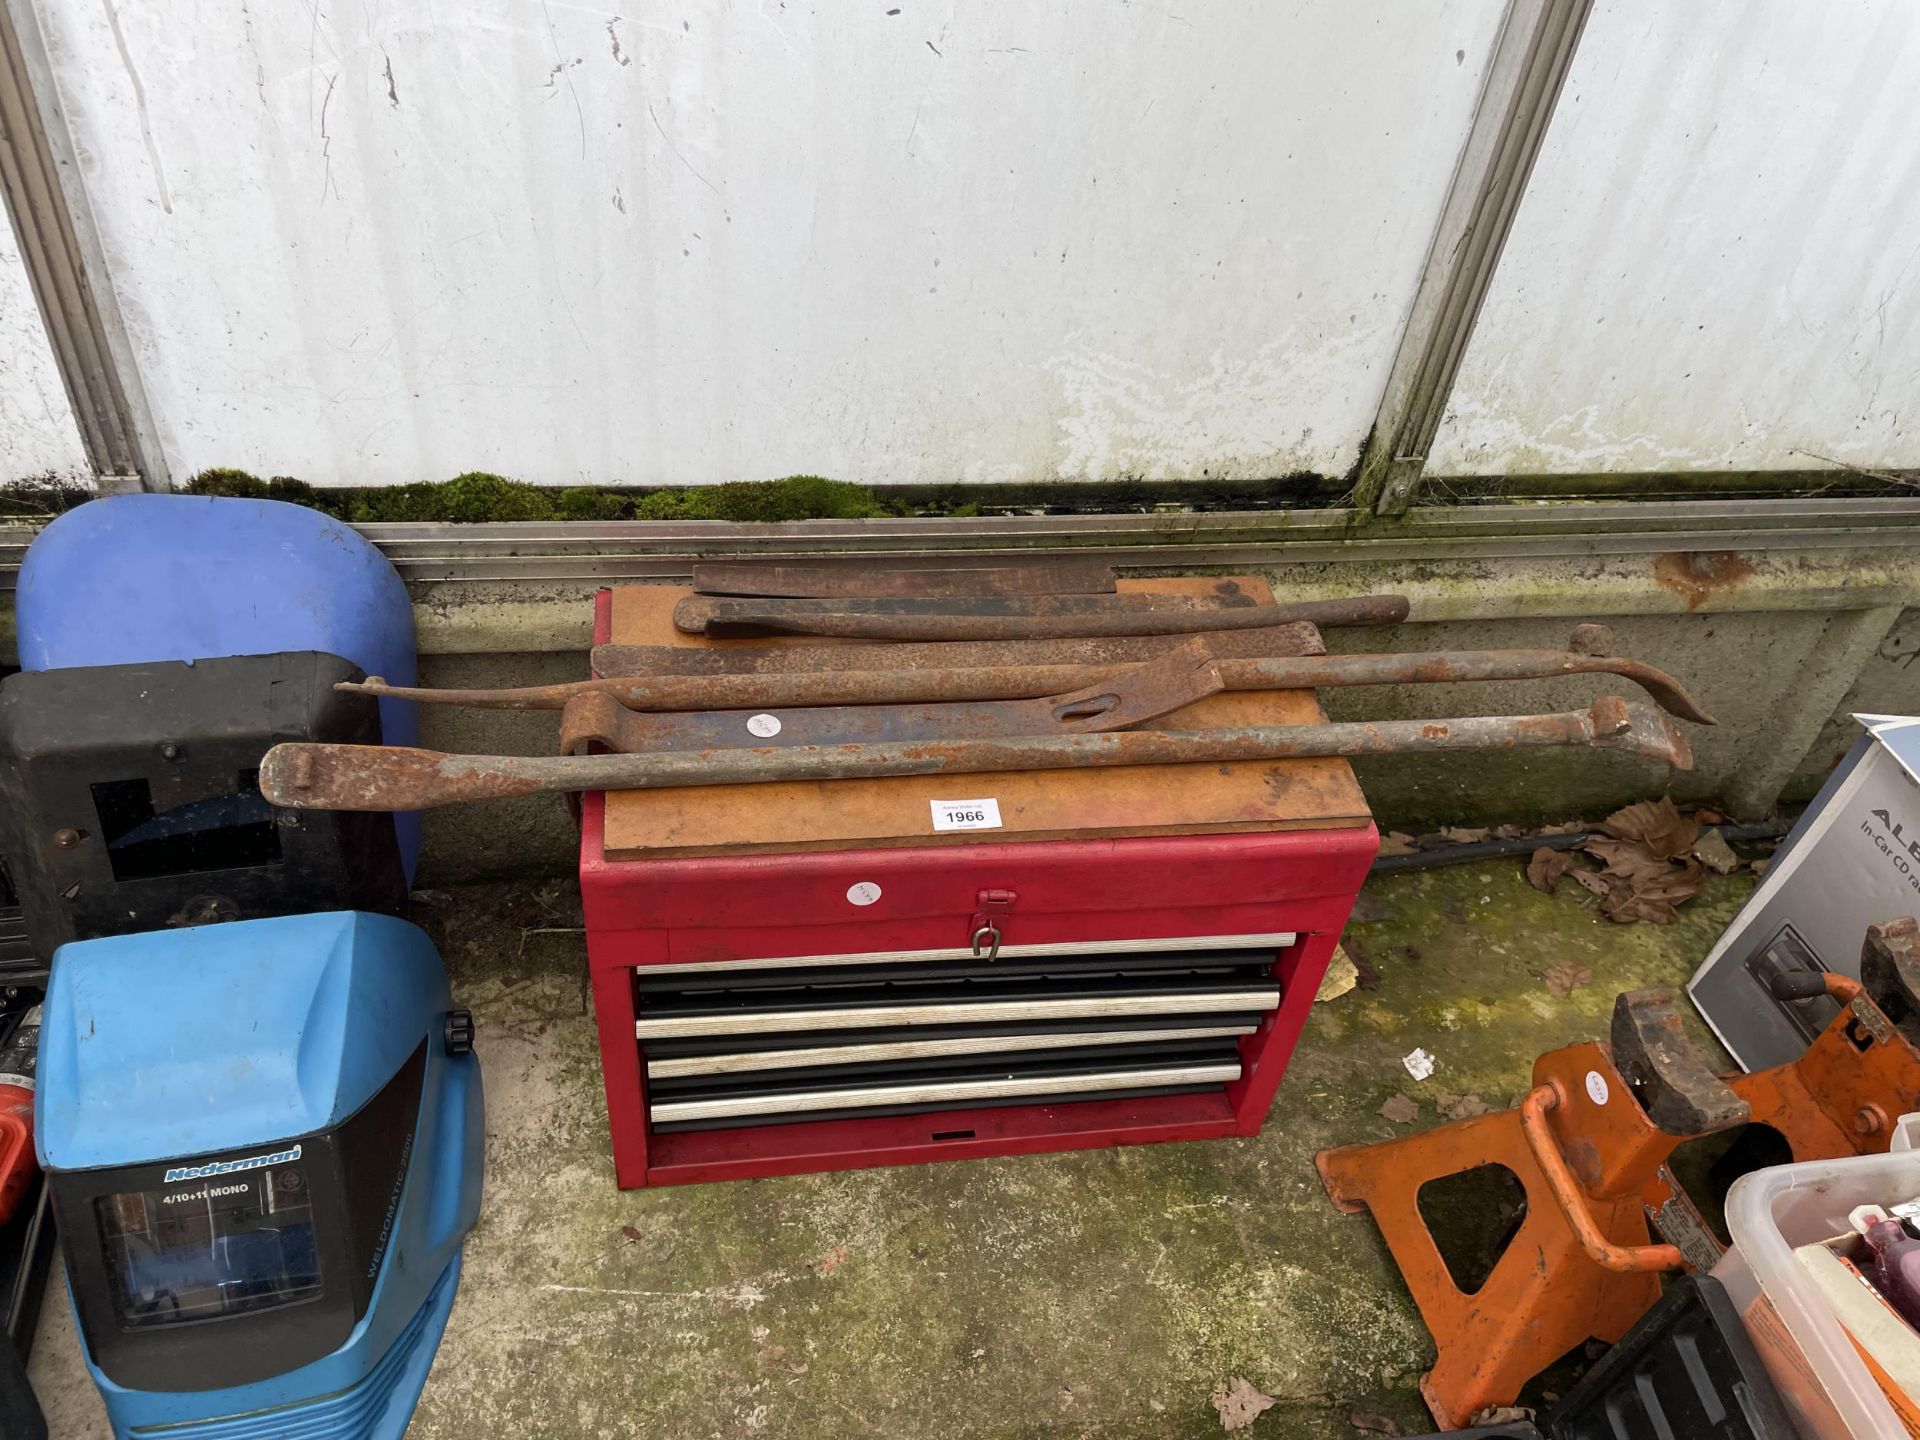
(1132, 696)
(373, 777)
(1016, 681)
(1673, 1084)
(1890, 971)
(1035, 617)
(1263, 642)
(1036, 577)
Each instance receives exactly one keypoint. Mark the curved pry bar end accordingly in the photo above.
(1638, 729)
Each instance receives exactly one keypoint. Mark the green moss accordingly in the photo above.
(581, 502)
(479, 496)
(237, 484)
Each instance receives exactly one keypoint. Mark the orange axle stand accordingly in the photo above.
(1589, 1144)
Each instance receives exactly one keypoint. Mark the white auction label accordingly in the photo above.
(966, 814)
(764, 726)
(1597, 1090)
(864, 893)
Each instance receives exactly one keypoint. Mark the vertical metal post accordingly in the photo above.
(65, 266)
(1529, 66)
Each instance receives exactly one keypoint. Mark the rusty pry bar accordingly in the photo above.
(1130, 697)
(822, 580)
(787, 658)
(853, 686)
(1020, 617)
(393, 777)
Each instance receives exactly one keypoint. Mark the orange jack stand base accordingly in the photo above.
(1589, 1144)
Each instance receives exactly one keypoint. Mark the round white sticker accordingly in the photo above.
(1597, 1087)
(865, 893)
(764, 725)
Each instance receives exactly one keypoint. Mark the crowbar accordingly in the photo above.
(1017, 682)
(1020, 617)
(306, 776)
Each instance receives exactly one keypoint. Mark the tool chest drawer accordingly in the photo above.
(897, 1033)
(764, 1015)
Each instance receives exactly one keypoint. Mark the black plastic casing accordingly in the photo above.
(93, 758)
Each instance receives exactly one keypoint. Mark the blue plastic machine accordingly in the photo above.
(131, 579)
(264, 1141)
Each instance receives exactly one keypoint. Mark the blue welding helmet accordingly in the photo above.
(264, 1141)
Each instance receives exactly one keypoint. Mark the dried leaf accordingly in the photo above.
(1395, 842)
(631, 1235)
(1627, 858)
(1709, 817)
(1507, 832)
(1759, 867)
(1374, 1424)
(1461, 1107)
(1640, 884)
(1655, 824)
(1654, 897)
(1546, 867)
(1563, 979)
(1712, 851)
(1591, 880)
(1465, 834)
(1400, 1110)
(1240, 1404)
(1342, 975)
(1567, 827)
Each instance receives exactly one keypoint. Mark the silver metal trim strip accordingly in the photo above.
(609, 552)
(1277, 941)
(980, 1012)
(751, 1061)
(950, 1092)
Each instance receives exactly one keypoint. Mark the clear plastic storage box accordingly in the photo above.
(1769, 1213)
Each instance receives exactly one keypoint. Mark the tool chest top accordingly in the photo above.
(1204, 798)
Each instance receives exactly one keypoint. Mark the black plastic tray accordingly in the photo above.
(1688, 1368)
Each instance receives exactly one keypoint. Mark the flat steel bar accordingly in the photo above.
(754, 1061)
(1276, 940)
(950, 1092)
(392, 777)
(855, 581)
(1129, 697)
(1262, 642)
(1017, 618)
(958, 1012)
(779, 692)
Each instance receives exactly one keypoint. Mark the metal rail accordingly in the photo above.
(607, 552)
(66, 269)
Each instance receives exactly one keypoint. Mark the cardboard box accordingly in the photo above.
(1852, 860)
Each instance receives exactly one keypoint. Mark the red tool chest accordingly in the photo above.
(808, 977)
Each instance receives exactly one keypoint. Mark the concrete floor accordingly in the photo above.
(1100, 1294)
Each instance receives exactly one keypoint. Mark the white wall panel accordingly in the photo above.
(1717, 264)
(37, 434)
(690, 241)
